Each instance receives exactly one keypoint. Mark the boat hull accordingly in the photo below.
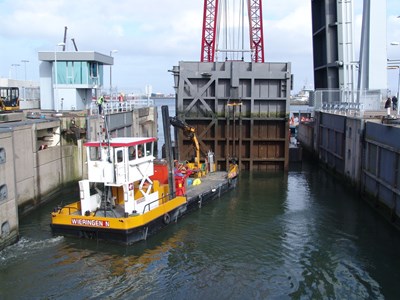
(122, 236)
(216, 191)
(195, 198)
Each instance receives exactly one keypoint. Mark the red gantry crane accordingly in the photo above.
(210, 24)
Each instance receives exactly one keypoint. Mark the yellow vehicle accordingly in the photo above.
(9, 98)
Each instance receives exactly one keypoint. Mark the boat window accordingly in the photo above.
(149, 149)
(132, 152)
(119, 156)
(70, 72)
(93, 69)
(94, 153)
(140, 151)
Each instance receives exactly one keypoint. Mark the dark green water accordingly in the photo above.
(300, 235)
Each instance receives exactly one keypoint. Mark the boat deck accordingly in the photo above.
(210, 183)
(212, 186)
(116, 212)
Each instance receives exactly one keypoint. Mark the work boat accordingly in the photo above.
(127, 197)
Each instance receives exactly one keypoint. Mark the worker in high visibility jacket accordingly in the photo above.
(100, 102)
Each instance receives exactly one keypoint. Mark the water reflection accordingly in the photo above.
(278, 236)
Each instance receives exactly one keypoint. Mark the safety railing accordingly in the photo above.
(349, 103)
(111, 107)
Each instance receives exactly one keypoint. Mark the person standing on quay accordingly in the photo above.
(394, 104)
(388, 104)
(100, 104)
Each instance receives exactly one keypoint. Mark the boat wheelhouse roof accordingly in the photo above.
(121, 142)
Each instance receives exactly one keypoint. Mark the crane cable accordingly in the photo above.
(217, 34)
(242, 30)
(229, 38)
(226, 28)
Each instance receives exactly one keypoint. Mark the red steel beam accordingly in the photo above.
(256, 30)
(208, 39)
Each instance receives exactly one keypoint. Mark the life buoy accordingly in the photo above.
(167, 219)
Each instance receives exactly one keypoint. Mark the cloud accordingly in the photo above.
(150, 37)
(291, 34)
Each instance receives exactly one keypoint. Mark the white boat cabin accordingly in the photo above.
(125, 164)
(120, 160)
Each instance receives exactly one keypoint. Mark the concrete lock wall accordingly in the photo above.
(25, 174)
(305, 134)
(39, 170)
(137, 123)
(8, 205)
(380, 171)
(353, 149)
(336, 140)
(331, 139)
(41, 164)
(364, 151)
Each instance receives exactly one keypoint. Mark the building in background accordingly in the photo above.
(69, 80)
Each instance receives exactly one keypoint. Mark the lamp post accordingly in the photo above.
(16, 70)
(148, 89)
(111, 52)
(398, 82)
(398, 85)
(398, 67)
(24, 61)
(56, 75)
(398, 79)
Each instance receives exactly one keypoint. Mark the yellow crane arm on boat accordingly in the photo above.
(190, 132)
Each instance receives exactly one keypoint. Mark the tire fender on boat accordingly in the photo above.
(167, 219)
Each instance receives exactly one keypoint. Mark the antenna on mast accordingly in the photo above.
(65, 37)
(73, 41)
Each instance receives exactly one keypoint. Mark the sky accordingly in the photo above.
(153, 36)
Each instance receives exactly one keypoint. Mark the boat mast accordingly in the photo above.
(168, 150)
